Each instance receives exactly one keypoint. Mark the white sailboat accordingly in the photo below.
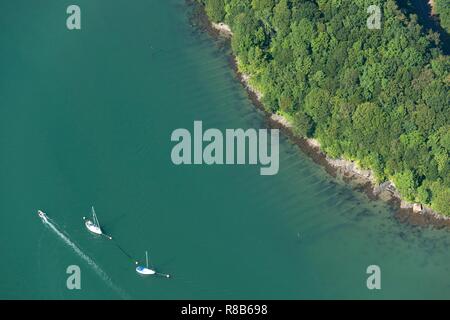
(93, 225)
(145, 270)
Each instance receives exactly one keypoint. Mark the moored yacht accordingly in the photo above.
(145, 270)
(93, 225)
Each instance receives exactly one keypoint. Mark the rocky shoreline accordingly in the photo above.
(433, 7)
(362, 179)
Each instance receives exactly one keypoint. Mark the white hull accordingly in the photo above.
(144, 271)
(42, 215)
(93, 228)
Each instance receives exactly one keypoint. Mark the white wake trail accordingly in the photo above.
(102, 274)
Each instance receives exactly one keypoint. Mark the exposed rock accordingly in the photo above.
(313, 143)
(281, 120)
(246, 80)
(222, 28)
(432, 4)
(405, 205)
(350, 167)
(417, 208)
(379, 188)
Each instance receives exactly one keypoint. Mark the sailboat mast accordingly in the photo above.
(146, 258)
(94, 217)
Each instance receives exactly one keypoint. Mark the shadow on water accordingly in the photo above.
(423, 11)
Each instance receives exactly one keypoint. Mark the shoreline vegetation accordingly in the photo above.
(441, 8)
(431, 14)
(349, 171)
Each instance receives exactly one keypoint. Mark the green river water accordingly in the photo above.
(86, 118)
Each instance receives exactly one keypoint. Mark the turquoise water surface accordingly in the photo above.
(86, 118)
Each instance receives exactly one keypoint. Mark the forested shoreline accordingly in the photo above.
(442, 8)
(379, 97)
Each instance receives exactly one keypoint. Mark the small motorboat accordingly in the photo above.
(42, 215)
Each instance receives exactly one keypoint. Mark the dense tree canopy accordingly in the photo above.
(215, 10)
(380, 97)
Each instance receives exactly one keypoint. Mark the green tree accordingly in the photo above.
(443, 10)
(281, 18)
(406, 184)
(304, 125)
(441, 196)
(215, 9)
(317, 105)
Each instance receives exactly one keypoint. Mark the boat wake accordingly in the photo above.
(102, 274)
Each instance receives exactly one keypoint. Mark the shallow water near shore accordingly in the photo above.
(86, 118)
